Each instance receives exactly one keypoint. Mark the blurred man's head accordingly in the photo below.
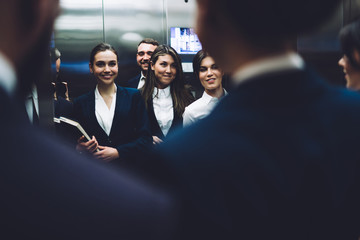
(26, 27)
(144, 51)
(264, 25)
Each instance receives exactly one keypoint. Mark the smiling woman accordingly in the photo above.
(210, 76)
(113, 115)
(164, 92)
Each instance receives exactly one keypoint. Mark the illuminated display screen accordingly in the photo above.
(184, 40)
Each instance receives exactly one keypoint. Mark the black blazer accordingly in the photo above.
(50, 192)
(277, 159)
(130, 132)
(177, 122)
(64, 108)
(133, 82)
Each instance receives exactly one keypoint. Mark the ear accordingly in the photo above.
(357, 56)
(152, 66)
(36, 16)
(91, 68)
(201, 16)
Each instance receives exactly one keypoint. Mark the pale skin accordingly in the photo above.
(352, 74)
(143, 56)
(210, 76)
(165, 72)
(105, 70)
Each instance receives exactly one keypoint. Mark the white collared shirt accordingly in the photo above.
(104, 115)
(281, 62)
(200, 108)
(32, 103)
(141, 81)
(163, 108)
(8, 80)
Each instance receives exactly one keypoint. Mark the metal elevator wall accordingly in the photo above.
(122, 23)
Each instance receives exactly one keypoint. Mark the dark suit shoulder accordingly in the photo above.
(133, 82)
(128, 90)
(84, 97)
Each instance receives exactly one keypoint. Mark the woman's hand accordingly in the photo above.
(107, 154)
(89, 146)
(156, 140)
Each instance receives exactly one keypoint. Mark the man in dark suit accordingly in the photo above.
(279, 157)
(47, 190)
(144, 51)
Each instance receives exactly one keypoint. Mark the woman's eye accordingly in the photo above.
(100, 64)
(203, 69)
(214, 67)
(112, 64)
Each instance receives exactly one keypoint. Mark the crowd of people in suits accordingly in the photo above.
(125, 123)
(277, 158)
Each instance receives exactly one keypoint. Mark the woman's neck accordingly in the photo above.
(106, 90)
(217, 93)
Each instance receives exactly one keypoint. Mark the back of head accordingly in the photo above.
(276, 19)
(350, 41)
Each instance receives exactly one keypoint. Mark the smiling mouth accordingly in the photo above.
(107, 76)
(211, 79)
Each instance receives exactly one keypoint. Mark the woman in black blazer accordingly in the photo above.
(114, 116)
(164, 92)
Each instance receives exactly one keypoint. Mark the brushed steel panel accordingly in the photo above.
(126, 23)
(77, 30)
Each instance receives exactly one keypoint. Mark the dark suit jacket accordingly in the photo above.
(64, 108)
(277, 159)
(50, 192)
(133, 82)
(130, 131)
(154, 125)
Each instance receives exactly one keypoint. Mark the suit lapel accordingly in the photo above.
(98, 131)
(120, 101)
(156, 130)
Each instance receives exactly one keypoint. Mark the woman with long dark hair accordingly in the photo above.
(208, 73)
(165, 93)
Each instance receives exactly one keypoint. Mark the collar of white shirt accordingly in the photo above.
(161, 93)
(277, 63)
(141, 81)
(7, 75)
(207, 98)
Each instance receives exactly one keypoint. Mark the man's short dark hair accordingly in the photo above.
(149, 41)
(268, 20)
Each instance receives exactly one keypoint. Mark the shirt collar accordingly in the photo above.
(8, 79)
(207, 98)
(277, 63)
(97, 93)
(161, 93)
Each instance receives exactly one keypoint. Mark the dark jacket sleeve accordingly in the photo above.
(142, 135)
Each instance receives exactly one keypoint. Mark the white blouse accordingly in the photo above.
(163, 108)
(200, 108)
(104, 115)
